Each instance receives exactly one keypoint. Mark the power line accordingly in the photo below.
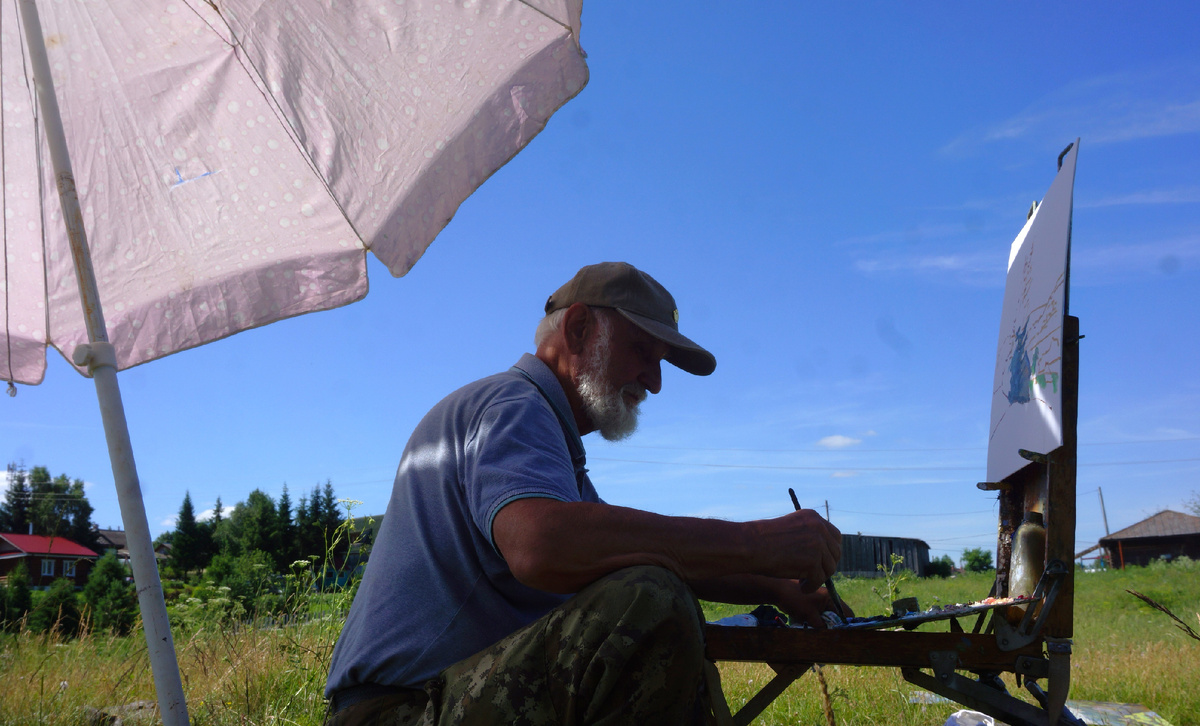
(46, 495)
(792, 468)
(852, 467)
(1143, 461)
(927, 514)
(828, 450)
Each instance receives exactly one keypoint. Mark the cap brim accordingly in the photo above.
(685, 354)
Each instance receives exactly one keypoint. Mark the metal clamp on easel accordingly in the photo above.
(1027, 630)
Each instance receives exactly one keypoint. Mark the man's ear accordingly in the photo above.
(577, 324)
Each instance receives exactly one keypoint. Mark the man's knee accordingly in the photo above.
(647, 597)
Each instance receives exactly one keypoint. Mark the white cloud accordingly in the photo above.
(1103, 110)
(914, 234)
(1185, 195)
(976, 268)
(172, 520)
(837, 441)
(843, 474)
(1119, 261)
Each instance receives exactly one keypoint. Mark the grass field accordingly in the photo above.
(1124, 651)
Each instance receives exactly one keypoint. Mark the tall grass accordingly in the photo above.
(261, 672)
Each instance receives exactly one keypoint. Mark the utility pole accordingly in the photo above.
(826, 510)
(1102, 512)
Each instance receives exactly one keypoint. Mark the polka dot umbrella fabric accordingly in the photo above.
(235, 160)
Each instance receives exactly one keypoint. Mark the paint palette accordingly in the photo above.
(913, 619)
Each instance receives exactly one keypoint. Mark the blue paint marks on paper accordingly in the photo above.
(1019, 367)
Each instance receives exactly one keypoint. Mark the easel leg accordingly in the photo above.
(720, 707)
(785, 674)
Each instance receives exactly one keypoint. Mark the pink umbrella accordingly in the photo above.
(234, 161)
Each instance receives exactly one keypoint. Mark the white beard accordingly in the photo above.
(606, 408)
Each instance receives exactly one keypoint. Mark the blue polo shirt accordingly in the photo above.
(436, 589)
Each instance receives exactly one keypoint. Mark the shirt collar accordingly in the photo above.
(548, 383)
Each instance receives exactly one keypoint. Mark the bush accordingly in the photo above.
(941, 567)
(248, 576)
(208, 607)
(1183, 562)
(58, 611)
(17, 600)
(977, 559)
(111, 599)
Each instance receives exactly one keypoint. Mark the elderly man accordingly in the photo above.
(503, 590)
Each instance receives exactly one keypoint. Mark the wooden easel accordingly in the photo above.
(961, 665)
(965, 666)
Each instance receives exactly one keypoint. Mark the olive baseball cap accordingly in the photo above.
(640, 299)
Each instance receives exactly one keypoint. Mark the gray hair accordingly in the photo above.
(548, 326)
(552, 322)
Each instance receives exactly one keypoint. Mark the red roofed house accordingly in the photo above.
(1166, 535)
(46, 558)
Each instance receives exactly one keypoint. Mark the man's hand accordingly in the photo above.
(800, 546)
(804, 607)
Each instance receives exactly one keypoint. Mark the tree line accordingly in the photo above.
(260, 524)
(108, 602)
(36, 503)
(240, 558)
(56, 506)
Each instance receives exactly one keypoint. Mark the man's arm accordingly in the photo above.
(562, 546)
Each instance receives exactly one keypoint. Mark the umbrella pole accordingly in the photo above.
(100, 359)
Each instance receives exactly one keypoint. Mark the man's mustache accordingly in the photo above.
(637, 390)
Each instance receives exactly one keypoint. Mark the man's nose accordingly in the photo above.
(651, 377)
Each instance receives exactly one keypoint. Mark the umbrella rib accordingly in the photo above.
(26, 74)
(39, 162)
(252, 71)
(551, 18)
(4, 194)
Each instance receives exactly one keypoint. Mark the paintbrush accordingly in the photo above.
(837, 601)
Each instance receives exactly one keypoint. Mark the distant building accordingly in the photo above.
(46, 558)
(113, 540)
(862, 554)
(1166, 536)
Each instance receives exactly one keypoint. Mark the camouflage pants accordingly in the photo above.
(627, 649)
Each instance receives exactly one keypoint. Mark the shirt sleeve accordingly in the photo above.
(517, 451)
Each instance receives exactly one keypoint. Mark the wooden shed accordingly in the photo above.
(1166, 535)
(862, 554)
(46, 558)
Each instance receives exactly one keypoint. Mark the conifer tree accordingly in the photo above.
(55, 507)
(331, 513)
(187, 547)
(285, 532)
(311, 535)
(111, 600)
(58, 611)
(14, 511)
(211, 526)
(18, 598)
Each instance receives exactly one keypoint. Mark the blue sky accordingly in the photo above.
(830, 194)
